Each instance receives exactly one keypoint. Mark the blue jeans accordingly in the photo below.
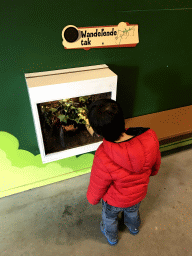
(110, 218)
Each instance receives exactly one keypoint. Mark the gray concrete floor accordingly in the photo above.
(58, 220)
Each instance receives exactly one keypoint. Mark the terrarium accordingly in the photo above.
(59, 100)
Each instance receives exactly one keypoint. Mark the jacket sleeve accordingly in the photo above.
(100, 180)
(156, 167)
(157, 164)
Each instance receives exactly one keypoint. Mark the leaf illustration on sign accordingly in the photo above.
(123, 34)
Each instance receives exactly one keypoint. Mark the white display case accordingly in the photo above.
(93, 82)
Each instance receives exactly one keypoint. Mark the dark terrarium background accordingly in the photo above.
(154, 76)
(64, 123)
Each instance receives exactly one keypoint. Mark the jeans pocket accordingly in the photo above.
(108, 207)
(134, 207)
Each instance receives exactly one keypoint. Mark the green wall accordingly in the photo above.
(154, 76)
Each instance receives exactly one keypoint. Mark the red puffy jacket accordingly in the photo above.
(120, 172)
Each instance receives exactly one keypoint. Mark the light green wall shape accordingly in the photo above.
(20, 170)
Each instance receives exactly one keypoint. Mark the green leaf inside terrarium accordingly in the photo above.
(63, 118)
(53, 109)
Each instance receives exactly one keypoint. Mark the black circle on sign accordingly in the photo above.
(71, 34)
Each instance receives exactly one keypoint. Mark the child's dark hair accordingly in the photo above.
(106, 119)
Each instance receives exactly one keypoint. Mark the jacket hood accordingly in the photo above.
(134, 153)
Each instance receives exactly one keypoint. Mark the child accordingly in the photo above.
(121, 167)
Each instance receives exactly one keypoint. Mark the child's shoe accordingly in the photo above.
(134, 232)
(103, 231)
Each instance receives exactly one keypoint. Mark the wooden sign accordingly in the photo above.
(122, 35)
